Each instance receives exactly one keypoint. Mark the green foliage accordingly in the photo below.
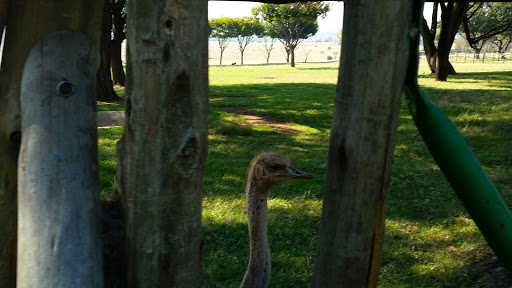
(430, 240)
(222, 27)
(291, 22)
(246, 27)
(339, 34)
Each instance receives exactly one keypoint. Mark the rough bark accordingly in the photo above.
(27, 22)
(104, 85)
(58, 211)
(118, 23)
(118, 76)
(164, 146)
(361, 147)
(429, 45)
(451, 18)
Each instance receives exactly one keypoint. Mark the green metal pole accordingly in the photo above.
(456, 160)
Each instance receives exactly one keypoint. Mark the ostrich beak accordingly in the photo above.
(294, 173)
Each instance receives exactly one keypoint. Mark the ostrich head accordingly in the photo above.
(268, 169)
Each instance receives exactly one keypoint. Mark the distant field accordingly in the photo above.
(255, 53)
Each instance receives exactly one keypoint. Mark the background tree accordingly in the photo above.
(306, 52)
(286, 53)
(502, 41)
(244, 29)
(484, 20)
(222, 29)
(452, 14)
(118, 9)
(339, 35)
(291, 23)
(104, 85)
(268, 45)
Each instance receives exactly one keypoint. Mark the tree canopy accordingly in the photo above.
(485, 20)
(291, 23)
(222, 29)
(245, 29)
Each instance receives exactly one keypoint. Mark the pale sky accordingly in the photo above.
(331, 24)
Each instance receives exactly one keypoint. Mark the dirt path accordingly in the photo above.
(110, 118)
(116, 118)
(255, 120)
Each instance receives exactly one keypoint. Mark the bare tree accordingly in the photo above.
(268, 45)
(286, 53)
(306, 53)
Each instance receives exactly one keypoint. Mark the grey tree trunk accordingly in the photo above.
(104, 85)
(375, 47)
(27, 22)
(292, 53)
(58, 210)
(164, 146)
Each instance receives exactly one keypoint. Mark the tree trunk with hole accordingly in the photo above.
(104, 86)
(163, 150)
(367, 105)
(27, 22)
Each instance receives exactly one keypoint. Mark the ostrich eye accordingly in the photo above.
(276, 166)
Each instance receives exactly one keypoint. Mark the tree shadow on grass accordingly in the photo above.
(500, 79)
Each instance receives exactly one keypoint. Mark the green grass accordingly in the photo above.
(430, 239)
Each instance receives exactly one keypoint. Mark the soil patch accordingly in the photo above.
(256, 120)
(110, 118)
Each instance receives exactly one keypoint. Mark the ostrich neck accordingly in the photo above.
(257, 274)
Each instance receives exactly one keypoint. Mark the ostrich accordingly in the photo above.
(265, 170)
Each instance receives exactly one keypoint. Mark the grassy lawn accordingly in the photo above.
(430, 239)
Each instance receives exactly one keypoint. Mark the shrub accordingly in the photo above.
(329, 57)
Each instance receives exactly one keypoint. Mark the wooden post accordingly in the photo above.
(27, 22)
(58, 208)
(367, 104)
(164, 146)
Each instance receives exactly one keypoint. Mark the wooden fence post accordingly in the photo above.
(27, 22)
(164, 146)
(367, 104)
(58, 199)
